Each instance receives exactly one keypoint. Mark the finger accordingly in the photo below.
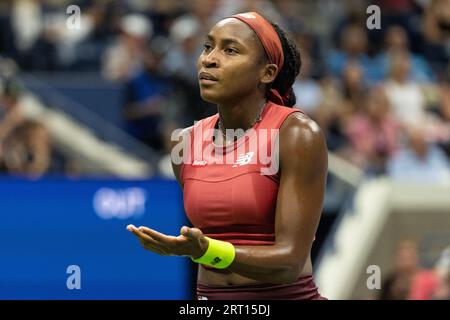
(192, 233)
(138, 233)
(131, 227)
(152, 245)
(146, 241)
(156, 235)
(184, 230)
(181, 239)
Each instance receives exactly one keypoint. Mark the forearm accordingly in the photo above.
(276, 263)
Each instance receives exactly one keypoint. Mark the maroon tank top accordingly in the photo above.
(230, 193)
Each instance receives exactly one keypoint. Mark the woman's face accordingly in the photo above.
(231, 65)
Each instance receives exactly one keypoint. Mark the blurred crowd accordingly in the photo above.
(409, 280)
(382, 96)
(26, 148)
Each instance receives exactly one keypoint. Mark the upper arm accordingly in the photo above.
(304, 163)
(180, 141)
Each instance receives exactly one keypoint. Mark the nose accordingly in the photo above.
(210, 60)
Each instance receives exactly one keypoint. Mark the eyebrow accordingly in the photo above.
(225, 41)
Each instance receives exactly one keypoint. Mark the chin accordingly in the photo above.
(208, 97)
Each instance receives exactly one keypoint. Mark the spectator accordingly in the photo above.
(435, 283)
(445, 103)
(146, 100)
(402, 13)
(27, 150)
(81, 50)
(126, 57)
(7, 44)
(181, 64)
(396, 40)
(328, 114)
(436, 31)
(26, 22)
(181, 60)
(43, 55)
(419, 161)
(353, 47)
(307, 90)
(398, 283)
(373, 133)
(354, 88)
(10, 111)
(405, 96)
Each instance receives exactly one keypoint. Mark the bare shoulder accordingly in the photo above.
(179, 135)
(302, 143)
(178, 142)
(302, 130)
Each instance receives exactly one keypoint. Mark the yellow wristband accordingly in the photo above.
(220, 254)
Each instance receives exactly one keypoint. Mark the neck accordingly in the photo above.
(241, 114)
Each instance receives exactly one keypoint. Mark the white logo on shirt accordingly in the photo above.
(244, 159)
(199, 163)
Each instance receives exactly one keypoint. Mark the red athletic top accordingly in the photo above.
(231, 200)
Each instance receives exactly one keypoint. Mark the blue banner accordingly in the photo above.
(67, 239)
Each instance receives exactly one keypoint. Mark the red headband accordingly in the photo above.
(270, 41)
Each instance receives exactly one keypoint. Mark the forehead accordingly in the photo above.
(234, 28)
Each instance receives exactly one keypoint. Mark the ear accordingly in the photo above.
(269, 73)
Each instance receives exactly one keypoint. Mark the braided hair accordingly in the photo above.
(290, 70)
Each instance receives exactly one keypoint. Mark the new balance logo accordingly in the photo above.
(244, 159)
(215, 261)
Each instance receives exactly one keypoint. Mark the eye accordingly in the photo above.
(231, 51)
(207, 46)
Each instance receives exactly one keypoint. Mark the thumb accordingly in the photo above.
(192, 233)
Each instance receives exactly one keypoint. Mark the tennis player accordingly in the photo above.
(253, 222)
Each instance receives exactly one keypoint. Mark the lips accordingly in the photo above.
(206, 76)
